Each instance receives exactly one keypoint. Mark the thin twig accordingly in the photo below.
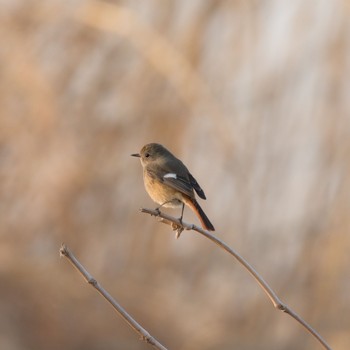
(277, 303)
(145, 336)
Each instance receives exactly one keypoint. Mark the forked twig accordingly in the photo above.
(277, 303)
(145, 336)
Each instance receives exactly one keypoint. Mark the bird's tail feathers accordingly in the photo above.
(193, 204)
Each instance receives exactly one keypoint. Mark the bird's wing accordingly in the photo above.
(181, 180)
(179, 183)
(196, 186)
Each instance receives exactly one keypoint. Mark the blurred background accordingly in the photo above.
(252, 95)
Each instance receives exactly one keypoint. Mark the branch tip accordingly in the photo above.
(63, 250)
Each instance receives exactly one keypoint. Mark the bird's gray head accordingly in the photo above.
(152, 152)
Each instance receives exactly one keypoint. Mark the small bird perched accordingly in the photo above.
(169, 183)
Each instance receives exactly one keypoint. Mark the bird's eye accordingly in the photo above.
(146, 155)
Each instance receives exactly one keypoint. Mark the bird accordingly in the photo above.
(169, 183)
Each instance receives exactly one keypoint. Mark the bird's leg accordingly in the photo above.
(182, 212)
(158, 208)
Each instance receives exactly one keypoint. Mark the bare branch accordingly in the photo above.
(145, 336)
(277, 303)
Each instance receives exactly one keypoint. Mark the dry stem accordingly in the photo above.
(277, 303)
(145, 336)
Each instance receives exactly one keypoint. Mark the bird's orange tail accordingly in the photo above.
(193, 204)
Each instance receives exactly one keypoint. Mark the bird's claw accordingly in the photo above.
(157, 210)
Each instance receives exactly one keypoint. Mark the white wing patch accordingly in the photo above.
(170, 175)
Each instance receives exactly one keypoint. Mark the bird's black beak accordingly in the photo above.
(136, 155)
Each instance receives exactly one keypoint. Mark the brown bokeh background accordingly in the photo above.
(252, 95)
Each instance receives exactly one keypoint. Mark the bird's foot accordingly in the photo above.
(157, 210)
